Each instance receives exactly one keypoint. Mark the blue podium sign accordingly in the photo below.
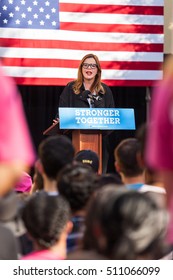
(96, 118)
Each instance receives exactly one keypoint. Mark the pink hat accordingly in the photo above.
(24, 184)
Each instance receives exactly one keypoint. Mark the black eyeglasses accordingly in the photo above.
(87, 65)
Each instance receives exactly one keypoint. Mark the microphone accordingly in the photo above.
(96, 97)
(90, 98)
(85, 94)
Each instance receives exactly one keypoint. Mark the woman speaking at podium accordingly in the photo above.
(88, 91)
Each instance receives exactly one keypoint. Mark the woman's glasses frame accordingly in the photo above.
(91, 65)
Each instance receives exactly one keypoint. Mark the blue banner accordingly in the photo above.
(96, 118)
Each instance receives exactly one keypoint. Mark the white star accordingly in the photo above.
(41, 10)
(35, 3)
(23, 15)
(17, 21)
(29, 9)
(5, 21)
(17, 8)
(10, 1)
(4, 8)
(54, 23)
(29, 22)
(35, 16)
(47, 3)
(53, 10)
(23, 2)
(11, 14)
(41, 22)
(47, 16)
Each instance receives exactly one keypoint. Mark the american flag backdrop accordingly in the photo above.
(42, 42)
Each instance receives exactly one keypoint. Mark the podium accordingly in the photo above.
(81, 139)
(88, 125)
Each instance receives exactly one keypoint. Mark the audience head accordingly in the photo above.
(126, 162)
(88, 157)
(46, 218)
(77, 182)
(54, 153)
(121, 224)
(109, 178)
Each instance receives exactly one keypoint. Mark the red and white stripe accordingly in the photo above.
(126, 35)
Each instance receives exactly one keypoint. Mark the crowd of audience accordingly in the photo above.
(67, 209)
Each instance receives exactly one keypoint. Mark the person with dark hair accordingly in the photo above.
(88, 91)
(134, 173)
(109, 178)
(47, 221)
(77, 182)
(54, 153)
(88, 157)
(121, 225)
(127, 165)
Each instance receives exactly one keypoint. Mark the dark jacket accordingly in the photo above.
(69, 99)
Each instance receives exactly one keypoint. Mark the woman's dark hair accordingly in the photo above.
(54, 153)
(45, 217)
(123, 224)
(77, 182)
(109, 178)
